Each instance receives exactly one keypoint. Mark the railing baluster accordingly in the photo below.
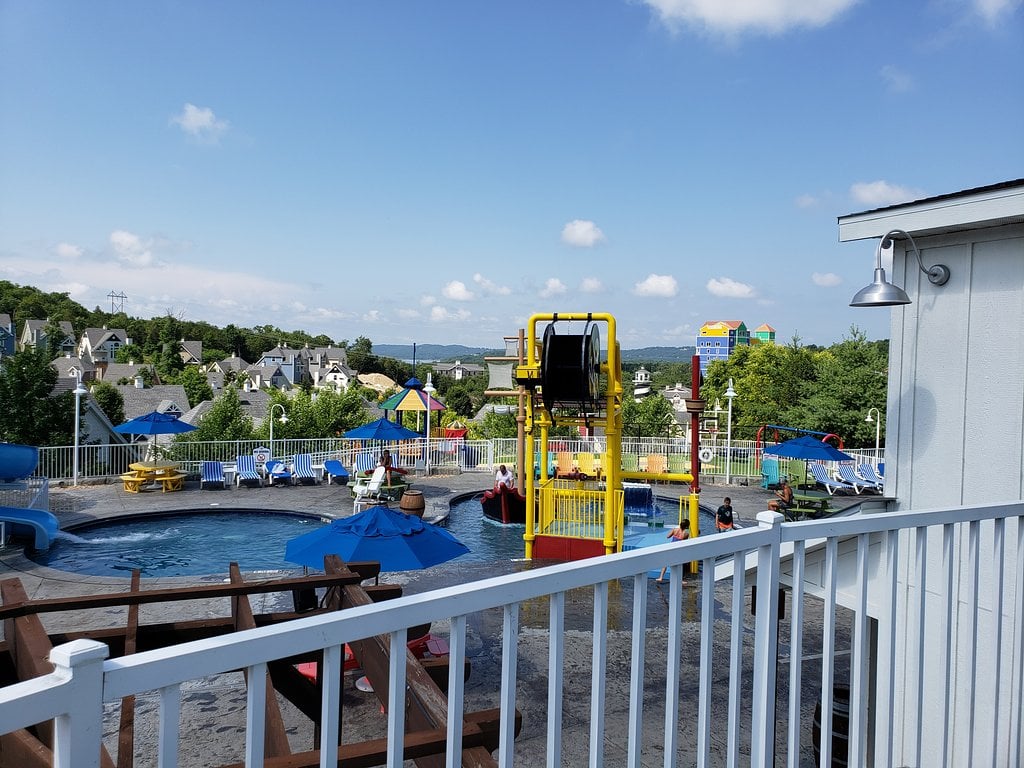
(456, 689)
(921, 564)
(796, 643)
(556, 671)
(999, 559)
(509, 665)
(597, 674)
(707, 658)
(948, 599)
(396, 698)
(636, 679)
(969, 591)
(1016, 703)
(856, 730)
(673, 661)
(887, 658)
(255, 714)
(332, 674)
(739, 588)
(766, 643)
(170, 721)
(828, 652)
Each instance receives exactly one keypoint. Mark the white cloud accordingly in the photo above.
(738, 16)
(131, 249)
(678, 332)
(456, 290)
(582, 234)
(552, 287)
(992, 10)
(441, 314)
(406, 313)
(200, 123)
(373, 316)
(67, 251)
(727, 288)
(806, 201)
(591, 285)
(826, 279)
(489, 287)
(661, 286)
(895, 79)
(879, 193)
(428, 300)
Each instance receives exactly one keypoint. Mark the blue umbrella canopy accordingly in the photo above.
(381, 429)
(808, 449)
(154, 423)
(399, 542)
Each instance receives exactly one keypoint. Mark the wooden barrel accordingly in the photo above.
(412, 503)
(840, 727)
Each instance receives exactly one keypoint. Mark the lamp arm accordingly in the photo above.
(937, 274)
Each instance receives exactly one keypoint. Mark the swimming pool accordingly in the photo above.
(196, 543)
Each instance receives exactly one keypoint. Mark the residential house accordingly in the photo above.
(954, 414)
(127, 373)
(291, 364)
(33, 334)
(459, 370)
(72, 368)
(641, 384)
(8, 338)
(328, 367)
(100, 345)
(718, 338)
(191, 352)
(763, 334)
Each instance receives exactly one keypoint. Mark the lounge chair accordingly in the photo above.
(364, 463)
(822, 478)
(770, 472)
(657, 463)
(302, 469)
(587, 465)
(211, 473)
(334, 469)
(630, 462)
(678, 464)
(368, 491)
(245, 471)
(847, 474)
(566, 465)
(867, 472)
(278, 473)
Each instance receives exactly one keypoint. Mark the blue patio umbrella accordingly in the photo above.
(399, 542)
(808, 449)
(381, 429)
(155, 423)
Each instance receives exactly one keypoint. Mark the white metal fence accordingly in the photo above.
(743, 705)
(445, 455)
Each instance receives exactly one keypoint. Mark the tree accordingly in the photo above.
(30, 412)
(653, 416)
(360, 354)
(224, 421)
(196, 385)
(110, 400)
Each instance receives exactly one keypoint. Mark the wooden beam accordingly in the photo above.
(126, 730)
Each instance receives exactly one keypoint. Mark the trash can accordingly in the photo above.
(840, 727)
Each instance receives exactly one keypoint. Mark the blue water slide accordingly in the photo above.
(16, 463)
(42, 524)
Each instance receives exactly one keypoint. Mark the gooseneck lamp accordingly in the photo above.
(882, 293)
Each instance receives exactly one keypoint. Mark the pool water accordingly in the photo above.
(201, 543)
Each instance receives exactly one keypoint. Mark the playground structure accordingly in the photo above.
(578, 512)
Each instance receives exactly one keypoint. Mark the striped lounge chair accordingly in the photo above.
(302, 469)
(245, 471)
(211, 473)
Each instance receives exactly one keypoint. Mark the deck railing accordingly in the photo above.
(739, 710)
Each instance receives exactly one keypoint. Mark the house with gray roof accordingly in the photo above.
(165, 398)
(101, 344)
(70, 368)
(229, 365)
(292, 363)
(126, 373)
(8, 339)
(459, 370)
(191, 352)
(33, 334)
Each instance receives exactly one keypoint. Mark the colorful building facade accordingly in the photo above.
(718, 338)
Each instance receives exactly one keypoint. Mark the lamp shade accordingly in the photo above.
(880, 293)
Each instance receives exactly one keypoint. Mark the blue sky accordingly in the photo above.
(438, 172)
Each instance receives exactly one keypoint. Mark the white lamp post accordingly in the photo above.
(878, 427)
(730, 393)
(79, 391)
(428, 388)
(284, 420)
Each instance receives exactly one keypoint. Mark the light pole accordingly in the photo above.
(284, 420)
(730, 393)
(878, 427)
(429, 390)
(79, 391)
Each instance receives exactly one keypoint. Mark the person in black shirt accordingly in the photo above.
(723, 517)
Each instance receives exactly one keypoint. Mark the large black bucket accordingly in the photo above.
(840, 728)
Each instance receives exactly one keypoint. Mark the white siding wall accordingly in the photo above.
(956, 405)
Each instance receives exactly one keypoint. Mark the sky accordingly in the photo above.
(439, 172)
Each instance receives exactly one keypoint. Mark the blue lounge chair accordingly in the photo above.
(245, 471)
(278, 473)
(822, 478)
(867, 472)
(334, 469)
(848, 475)
(302, 469)
(211, 473)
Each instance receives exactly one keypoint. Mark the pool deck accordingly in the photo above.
(221, 700)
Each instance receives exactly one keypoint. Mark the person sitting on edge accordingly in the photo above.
(785, 494)
(723, 516)
(679, 533)
(504, 477)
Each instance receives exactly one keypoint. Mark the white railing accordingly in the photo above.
(742, 706)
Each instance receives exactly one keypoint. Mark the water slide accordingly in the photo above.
(18, 462)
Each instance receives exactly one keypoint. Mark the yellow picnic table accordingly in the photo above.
(146, 473)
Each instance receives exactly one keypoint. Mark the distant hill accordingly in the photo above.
(426, 353)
